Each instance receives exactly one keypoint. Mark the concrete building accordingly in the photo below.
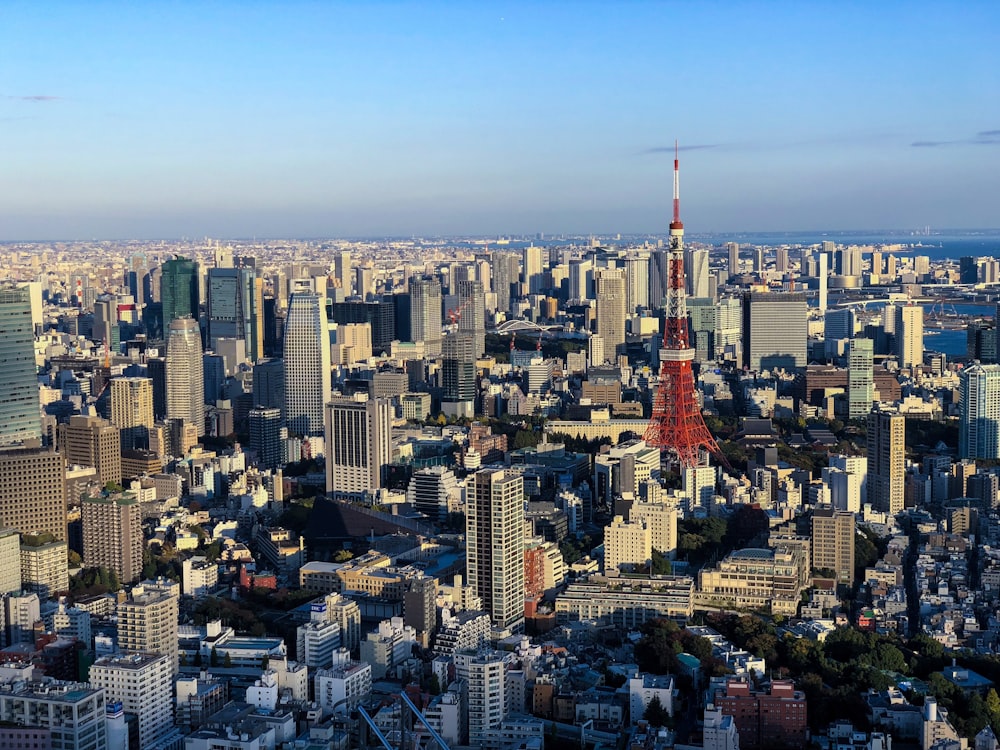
(609, 284)
(342, 687)
(358, 445)
(910, 335)
(433, 491)
(142, 683)
(775, 719)
(774, 331)
(458, 374)
(833, 542)
(317, 639)
(147, 622)
(20, 418)
(860, 379)
(33, 491)
(627, 546)
(425, 313)
(886, 461)
(495, 544)
(68, 713)
(10, 561)
(44, 567)
(307, 364)
(92, 441)
(484, 675)
(472, 304)
(112, 534)
(199, 576)
(979, 412)
(185, 393)
(643, 688)
(132, 411)
(766, 579)
(265, 436)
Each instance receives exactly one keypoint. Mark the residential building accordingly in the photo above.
(833, 542)
(142, 683)
(772, 719)
(886, 461)
(484, 675)
(10, 561)
(66, 714)
(979, 412)
(627, 546)
(609, 285)
(860, 379)
(132, 411)
(147, 621)
(910, 335)
(265, 436)
(44, 566)
(199, 576)
(342, 687)
(458, 374)
(112, 533)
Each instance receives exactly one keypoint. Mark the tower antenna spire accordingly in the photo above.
(676, 223)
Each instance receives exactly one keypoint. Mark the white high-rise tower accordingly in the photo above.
(307, 364)
(185, 379)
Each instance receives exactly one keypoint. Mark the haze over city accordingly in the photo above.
(347, 119)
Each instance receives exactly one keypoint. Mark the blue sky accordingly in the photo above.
(392, 118)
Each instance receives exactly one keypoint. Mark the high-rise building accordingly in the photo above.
(44, 567)
(886, 461)
(20, 416)
(534, 280)
(432, 491)
(233, 310)
(364, 280)
(505, 272)
(358, 444)
(775, 330)
(484, 674)
(105, 330)
(823, 275)
(627, 545)
(833, 542)
(33, 491)
(10, 564)
(147, 621)
(132, 411)
(609, 287)
(343, 276)
(380, 314)
(72, 713)
(781, 260)
(637, 281)
(860, 378)
(494, 530)
(185, 374)
(910, 335)
(472, 303)
(179, 290)
(307, 364)
(696, 272)
(269, 384)
(265, 436)
(143, 684)
(92, 441)
(458, 374)
(979, 412)
(733, 249)
(112, 534)
(425, 314)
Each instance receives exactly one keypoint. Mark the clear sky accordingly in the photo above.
(282, 119)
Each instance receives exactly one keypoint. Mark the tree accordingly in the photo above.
(213, 660)
(73, 558)
(228, 661)
(660, 565)
(265, 662)
(343, 555)
(655, 713)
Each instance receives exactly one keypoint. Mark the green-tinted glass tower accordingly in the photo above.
(179, 290)
(20, 418)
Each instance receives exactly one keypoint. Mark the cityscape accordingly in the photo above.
(286, 469)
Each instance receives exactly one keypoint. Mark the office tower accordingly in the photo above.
(534, 281)
(179, 290)
(381, 314)
(729, 328)
(636, 282)
(20, 416)
(886, 460)
(92, 441)
(910, 335)
(702, 320)
(968, 270)
(112, 534)
(269, 384)
(833, 542)
(403, 315)
(342, 273)
(609, 288)
(185, 375)
(979, 412)
(458, 374)
(70, 712)
(494, 532)
(860, 379)
(505, 269)
(233, 309)
(269, 326)
(484, 674)
(44, 566)
(733, 248)
(105, 330)
(823, 260)
(10, 564)
(265, 436)
(147, 621)
(425, 314)
(358, 444)
(758, 260)
(364, 281)
(781, 260)
(33, 491)
(213, 368)
(156, 369)
(838, 324)
(307, 364)
(132, 411)
(472, 304)
(581, 279)
(696, 273)
(143, 684)
(774, 331)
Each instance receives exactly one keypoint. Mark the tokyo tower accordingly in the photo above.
(677, 424)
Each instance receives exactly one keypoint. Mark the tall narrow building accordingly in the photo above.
(609, 287)
(860, 378)
(147, 621)
(307, 364)
(185, 374)
(358, 445)
(112, 534)
(179, 290)
(20, 414)
(132, 411)
(92, 441)
(886, 461)
(458, 374)
(979, 412)
(232, 308)
(425, 314)
(472, 303)
(494, 532)
(910, 335)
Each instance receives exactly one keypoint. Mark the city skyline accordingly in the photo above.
(397, 119)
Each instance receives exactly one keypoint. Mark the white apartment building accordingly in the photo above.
(143, 683)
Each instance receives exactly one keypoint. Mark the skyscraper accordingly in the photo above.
(484, 673)
(358, 444)
(307, 364)
(534, 281)
(609, 287)
(860, 378)
(824, 261)
(342, 273)
(696, 272)
(185, 374)
(774, 331)
(979, 412)
(504, 267)
(494, 530)
(425, 314)
(910, 335)
(833, 542)
(886, 460)
(147, 621)
(265, 436)
(20, 418)
(733, 248)
(112, 534)
(92, 441)
(658, 278)
(33, 491)
(458, 374)
(472, 303)
(179, 289)
(132, 410)
(233, 308)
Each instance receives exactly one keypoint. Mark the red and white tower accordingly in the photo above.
(677, 424)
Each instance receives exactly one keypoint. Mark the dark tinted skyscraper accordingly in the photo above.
(19, 410)
(179, 290)
(233, 308)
